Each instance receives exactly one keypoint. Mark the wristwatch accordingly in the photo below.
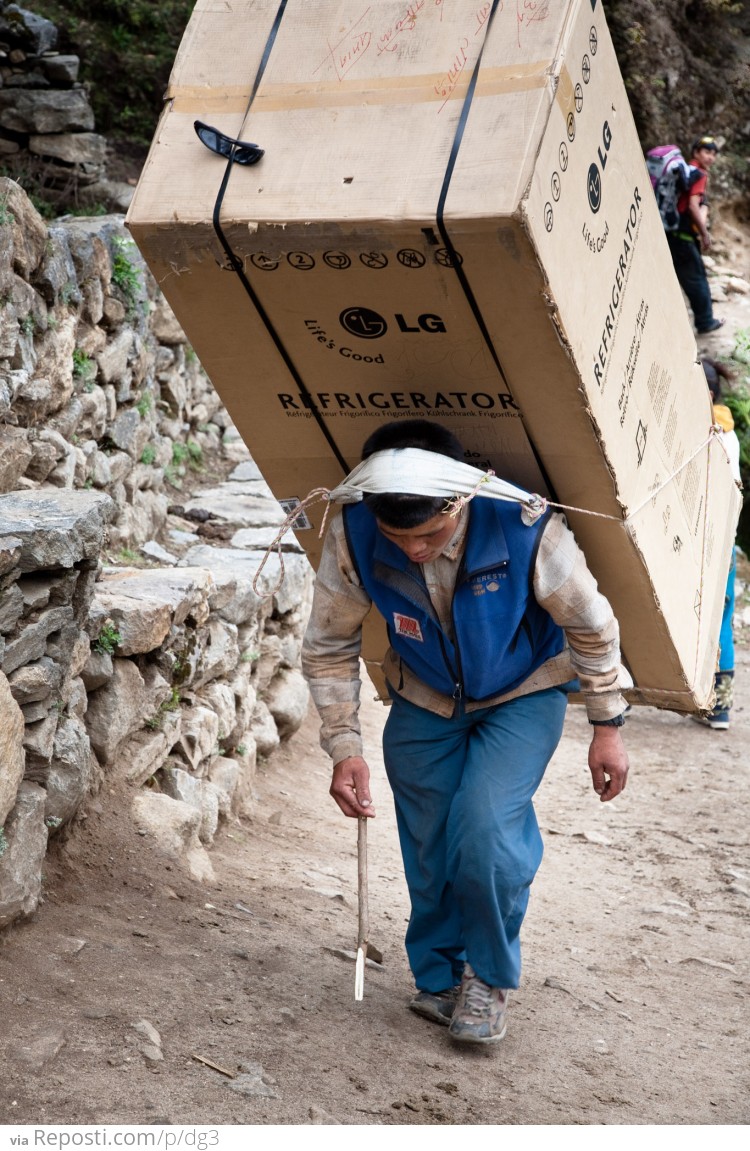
(618, 721)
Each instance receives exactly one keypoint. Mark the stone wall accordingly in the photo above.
(133, 647)
(46, 119)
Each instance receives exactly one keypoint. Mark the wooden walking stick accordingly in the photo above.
(364, 914)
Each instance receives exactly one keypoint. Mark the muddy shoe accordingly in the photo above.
(479, 1016)
(435, 1005)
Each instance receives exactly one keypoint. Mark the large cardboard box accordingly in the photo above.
(452, 220)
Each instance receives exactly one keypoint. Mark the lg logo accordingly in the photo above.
(594, 177)
(369, 325)
(363, 322)
(594, 187)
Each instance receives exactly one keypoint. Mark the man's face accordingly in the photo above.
(706, 158)
(424, 543)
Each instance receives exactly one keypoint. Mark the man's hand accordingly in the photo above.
(608, 762)
(350, 786)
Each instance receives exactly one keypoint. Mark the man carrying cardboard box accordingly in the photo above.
(491, 612)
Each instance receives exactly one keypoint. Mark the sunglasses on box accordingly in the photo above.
(235, 150)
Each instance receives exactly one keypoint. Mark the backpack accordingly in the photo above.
(671, 176)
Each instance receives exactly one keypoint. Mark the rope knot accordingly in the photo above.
(456, 504)
(533, 510)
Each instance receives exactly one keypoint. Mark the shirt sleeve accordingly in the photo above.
(331, 647)
(564, 586)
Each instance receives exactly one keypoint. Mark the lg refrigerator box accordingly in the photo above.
(451, 219)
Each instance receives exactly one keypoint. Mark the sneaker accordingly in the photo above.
(718, 720)
(437, 1006)
(712, 327)
(479, 1016)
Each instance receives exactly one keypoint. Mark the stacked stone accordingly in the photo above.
(49, 547)
(97, 382)
(176, 676)
(203, 680)
(46, 120)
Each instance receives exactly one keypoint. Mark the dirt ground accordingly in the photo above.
(632, 1009)
(633, 1003)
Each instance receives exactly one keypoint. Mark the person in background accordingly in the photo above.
(693, 237)
(718, 718)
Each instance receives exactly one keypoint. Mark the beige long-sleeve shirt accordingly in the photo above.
(563, 586)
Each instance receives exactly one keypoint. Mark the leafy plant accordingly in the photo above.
(145, 404)
(171, 703)
(84, 368)
(742, 346)
(126, 276)
(109, 638)
(128, 555)
(171, 475)
(28, 325)
(3, 842)
(148, 455)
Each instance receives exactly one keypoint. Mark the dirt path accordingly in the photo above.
(633, 1007)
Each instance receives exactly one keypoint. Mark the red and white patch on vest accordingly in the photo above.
(407, 626)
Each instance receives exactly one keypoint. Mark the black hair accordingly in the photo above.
(416, 433)
(703, 142)
(395, 509)
(716, 372)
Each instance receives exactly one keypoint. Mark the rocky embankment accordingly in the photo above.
(47, 128)
(133, 649)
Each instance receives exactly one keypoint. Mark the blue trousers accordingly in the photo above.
(471, 846)
(726, 636)
(691, 273)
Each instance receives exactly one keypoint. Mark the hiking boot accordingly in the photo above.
(712, 327)
(479, 1016)
(437, 1006)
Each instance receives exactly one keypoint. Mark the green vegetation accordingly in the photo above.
(148, 455)
(6, 217)
(109, 638)
(84, 368)
(171, 703)
(128, 555)
(737, 399)
(3, 842)
(130, 42)
(145, 404)
(127, 277)
(189, 453)
(28, 325)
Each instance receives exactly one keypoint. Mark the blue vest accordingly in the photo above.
(501, 633)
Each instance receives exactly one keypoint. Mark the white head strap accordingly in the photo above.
(413, 471)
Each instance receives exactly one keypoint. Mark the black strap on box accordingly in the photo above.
(454, 257)
(238, 267)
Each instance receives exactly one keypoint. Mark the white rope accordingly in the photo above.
(412, 471)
